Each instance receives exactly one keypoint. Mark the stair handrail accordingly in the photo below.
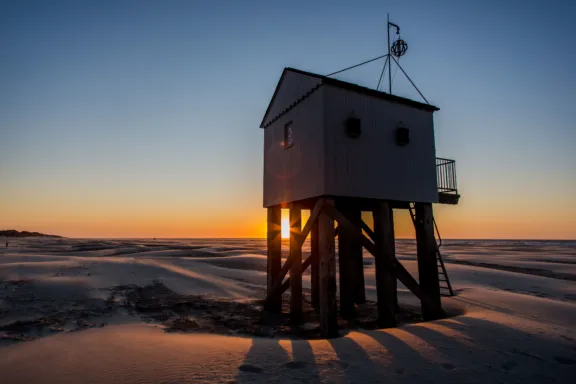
(439, 257)
(439, 242)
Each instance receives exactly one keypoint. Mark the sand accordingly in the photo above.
(181, 311)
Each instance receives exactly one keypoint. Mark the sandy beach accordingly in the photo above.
(189, 311)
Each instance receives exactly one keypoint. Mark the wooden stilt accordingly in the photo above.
(296, 267)
(401, 273)
(358, 260)
(394, 281)
(327, 271)
(427, 268)
(314, 267)
(346, 265)
(274, 255)
(385, 278)
(300, 237)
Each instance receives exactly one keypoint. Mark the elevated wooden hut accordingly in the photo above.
(339, 149)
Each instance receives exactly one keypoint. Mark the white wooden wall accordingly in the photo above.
(325, 161)
(373, 165)
(295, 173)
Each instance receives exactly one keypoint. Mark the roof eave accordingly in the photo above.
(351, 87)
(379, 94)
(273, 97)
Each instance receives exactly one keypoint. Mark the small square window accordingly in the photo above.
(288, 140)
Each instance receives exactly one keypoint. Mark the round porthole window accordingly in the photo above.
(402, 135)
(353, 127)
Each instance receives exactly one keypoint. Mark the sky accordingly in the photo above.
(141, 118)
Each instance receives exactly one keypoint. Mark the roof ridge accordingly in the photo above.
(364, 89)
(343, 85)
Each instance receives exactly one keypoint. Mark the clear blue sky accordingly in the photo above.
(141, 118)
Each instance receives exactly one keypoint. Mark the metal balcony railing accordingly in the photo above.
(446, 175)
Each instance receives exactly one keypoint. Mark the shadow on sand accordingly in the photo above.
(464, 349)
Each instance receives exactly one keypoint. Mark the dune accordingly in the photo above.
(182, 311)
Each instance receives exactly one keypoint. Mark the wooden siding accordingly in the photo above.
(297, 172)
(292, 86)
(373, 165)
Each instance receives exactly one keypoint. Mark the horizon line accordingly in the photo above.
(264, 238)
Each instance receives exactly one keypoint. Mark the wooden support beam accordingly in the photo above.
(328, 309)
(427, 267)
(296, 266)
(358, 257)
(314, 261)
(361, 298)
(274, 255)
(300, 237)
(393, 250)
(305, 265)
(406, 278)
(385, 278)
(401, 273)
(308, 262)
(370, 233)
(311, 220)
(367, 229)
(347, 250)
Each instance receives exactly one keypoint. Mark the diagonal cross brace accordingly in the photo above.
(278, 283)
(305, 265)
(401, 273)
(368, 230)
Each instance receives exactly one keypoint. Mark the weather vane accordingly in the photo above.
(395, 50)
(399, 47)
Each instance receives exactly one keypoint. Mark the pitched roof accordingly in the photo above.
(339, 84)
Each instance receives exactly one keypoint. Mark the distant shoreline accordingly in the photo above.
(15, 233)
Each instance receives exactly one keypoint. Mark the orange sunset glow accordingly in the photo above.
(285, 228)
(67, 216)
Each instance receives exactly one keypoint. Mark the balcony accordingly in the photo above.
(446, 180)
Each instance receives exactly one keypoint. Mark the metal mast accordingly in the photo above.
(398, 48)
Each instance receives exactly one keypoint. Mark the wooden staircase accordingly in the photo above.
(445, 286)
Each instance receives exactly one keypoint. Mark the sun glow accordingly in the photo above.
(285, 228)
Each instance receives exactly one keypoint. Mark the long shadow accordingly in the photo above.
(303, 359)
(407, 364)
(356, 363)
(500, 353)
(267, 361)
(503, 335)
(466, 350)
